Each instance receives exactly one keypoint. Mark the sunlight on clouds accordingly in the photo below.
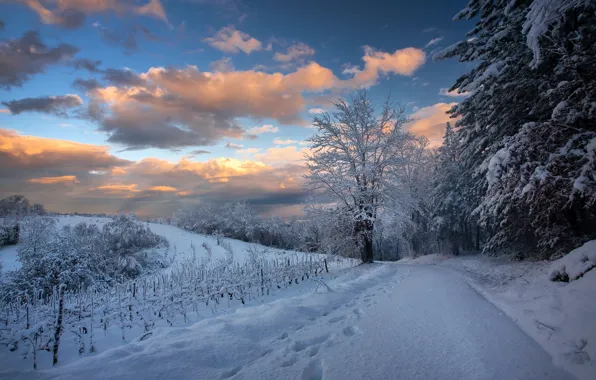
(404, 62)
(430, 122)
(162, 189)
(266, 128)
(117, 189)
(230, 40)
(282, 155)
(54, 180)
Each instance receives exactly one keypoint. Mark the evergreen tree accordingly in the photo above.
(526, 136)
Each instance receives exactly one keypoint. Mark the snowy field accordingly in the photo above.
(197, 285)
(561, 316)
(424, 318)
(380, 321)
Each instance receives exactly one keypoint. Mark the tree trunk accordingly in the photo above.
(58, 331)
(367, 240)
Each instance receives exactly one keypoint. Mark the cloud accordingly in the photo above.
(184, 107)
(404, 62)
(124, 77)
(177, 107)
(163, 189)
(430, 122)
(350, 70)
(283, 155)
(454, 93)
(316, 111)
(55, 105)
(199, 151)
(31, 157)
(1, 25)
(284, 142)
(223, 65)
(65, 179)
(86, 64)
(4, 110)
(434, 41)
(24, 57)
(234, 146)
(230, 40)
(71, 13)
(117, 189)
(266, 128)
(99, 182)
(295, 52)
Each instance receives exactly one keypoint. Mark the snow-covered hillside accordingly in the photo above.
(208, 276)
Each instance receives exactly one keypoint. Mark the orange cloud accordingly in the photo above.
(403, 62)
(230, 40)
(22, 151)
(295, 52)
(176, 107)
(117, 189)
(288, 154)
(54, 180)
(430, 122)
(162, 189)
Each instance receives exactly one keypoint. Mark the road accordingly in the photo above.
(379, 321)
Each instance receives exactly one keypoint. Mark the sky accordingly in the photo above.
(144, 106)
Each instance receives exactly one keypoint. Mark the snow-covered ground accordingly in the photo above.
(560, 316)
(188, 254)
(380, 321)
(182, 243)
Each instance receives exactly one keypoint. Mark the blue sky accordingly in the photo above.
(131, 38)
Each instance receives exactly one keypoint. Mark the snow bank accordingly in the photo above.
(575, 264)
(559, 316)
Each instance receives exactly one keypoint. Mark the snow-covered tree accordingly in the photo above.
(355, 156)
(526, 137)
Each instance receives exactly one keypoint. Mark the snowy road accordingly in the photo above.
(383, 321)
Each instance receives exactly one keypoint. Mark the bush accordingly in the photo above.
(84, 255)
(9, 233)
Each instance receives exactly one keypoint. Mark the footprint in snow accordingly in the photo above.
(350, 330)
(301, 345)
(337, 319)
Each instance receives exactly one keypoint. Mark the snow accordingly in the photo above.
(559, 316)
(374, 321)
(385, 320)
(9, 258)
(575, 264)
(186, 306)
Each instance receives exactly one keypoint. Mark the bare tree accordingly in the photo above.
(355, 157)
